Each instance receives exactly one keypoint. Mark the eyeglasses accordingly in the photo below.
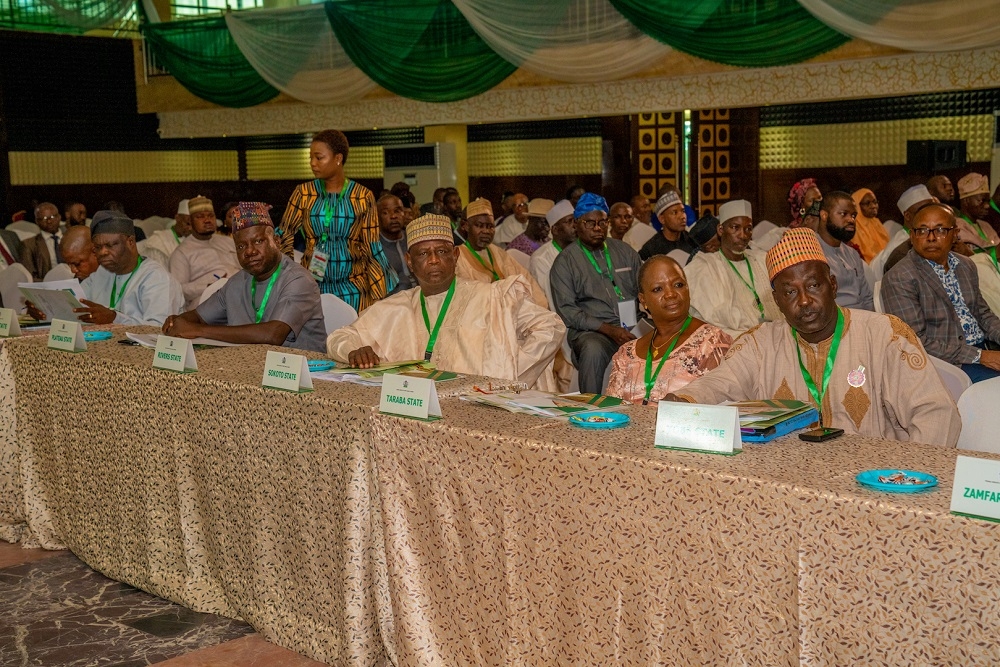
(594, 224)
(921, 232)
(523, 204)
(46, 218)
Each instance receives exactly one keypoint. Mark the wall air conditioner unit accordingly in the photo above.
(424, 167)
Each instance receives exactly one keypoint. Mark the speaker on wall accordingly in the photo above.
(933, 155)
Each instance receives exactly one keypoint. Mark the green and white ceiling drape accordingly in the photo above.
(450, 50)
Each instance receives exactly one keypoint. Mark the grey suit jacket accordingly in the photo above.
(912, 291)
(36, 257)
(13, 243)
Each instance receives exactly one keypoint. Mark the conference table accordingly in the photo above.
(485, 538)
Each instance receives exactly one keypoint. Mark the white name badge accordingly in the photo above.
(8, 323)
(317, 265)
(289, 372)
(68, 336)
(977, 488)
(174, 354)
(409, 397)
(627, 314)
(702, 428)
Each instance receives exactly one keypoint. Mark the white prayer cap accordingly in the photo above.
(182, 207)
(559, 211)
(914, 195)
(738, 208)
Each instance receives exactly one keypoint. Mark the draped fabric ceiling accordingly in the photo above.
(449, 50)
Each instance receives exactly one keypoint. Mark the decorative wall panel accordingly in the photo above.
(656, 146)
(67, 167)
(292, 163)
(537, 157)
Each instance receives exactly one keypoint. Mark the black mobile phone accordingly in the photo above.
(127, 341)
(821, 434)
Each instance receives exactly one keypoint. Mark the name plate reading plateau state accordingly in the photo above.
(977, 488)
(174, 354)
(8, 323)
(409, 397)
(68, 336)
(701, 428)
(288, 372)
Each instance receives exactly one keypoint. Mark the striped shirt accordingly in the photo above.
(346, 229)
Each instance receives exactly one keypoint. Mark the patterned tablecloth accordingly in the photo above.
(486, 538)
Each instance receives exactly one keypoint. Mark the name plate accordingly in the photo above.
(288, 372)
(68, 336)
(409, 397)
(9, 326)
(174, 354)
(701, 428)
(977, 488)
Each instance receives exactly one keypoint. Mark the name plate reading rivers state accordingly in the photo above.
(701, 428)
(66, 336)
(409, 397)
(174, 354)
(289, 372)
(977, 488)
(8, 323)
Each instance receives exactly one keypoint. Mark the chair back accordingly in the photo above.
(212, 289)
(59, 272)
(10, 295)
(977, 407)
(24, 230)
(337, 313)
(522, 258)
(679, 256)
(892, 227)
(955, 381)
(761, 228)
(877, 293)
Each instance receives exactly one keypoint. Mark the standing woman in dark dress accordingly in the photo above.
(339, 221)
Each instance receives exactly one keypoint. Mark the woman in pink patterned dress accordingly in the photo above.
(679, 349)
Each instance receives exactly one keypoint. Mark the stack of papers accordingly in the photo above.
(761, 421)
(544, 404)
(149, 340)
(372, 377)
(56, 298)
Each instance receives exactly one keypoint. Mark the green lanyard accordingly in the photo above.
(440, 318)
(492, 263)
(607, 259)
(749, 285)
(115, 299)
(174, 232)
(259, 312)
(650, 377)
(993, 205)
(556, 245)
(831, 355)
(327, 209)
(991, 251)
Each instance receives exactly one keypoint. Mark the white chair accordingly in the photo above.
(150, 225)
(212, 289)
(977, 406)
(336, 312)
(151, 252)
(522, 258)
(892, 227)
(877, 293)
(679, 256)
(607, 378)
(955, 381)
(10, 295)
(23, 229)
(59, 272)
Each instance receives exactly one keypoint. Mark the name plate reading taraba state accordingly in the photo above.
(701, 428)
(8, 323)
(409, 397)
(288, 372)
(174, 354)
(976, 491)
(67, 336)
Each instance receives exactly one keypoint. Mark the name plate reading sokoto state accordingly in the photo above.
(174, 354)
(409, 397)
(288, 372)
(8, 323)
(977, 488)
(701, 428)
(66, 336)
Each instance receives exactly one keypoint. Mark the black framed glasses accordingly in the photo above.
(934, 232)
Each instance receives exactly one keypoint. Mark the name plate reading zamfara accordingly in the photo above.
(9, 326)
(67, 336)
(174, 354)
(701, 428)
(976, 492)
(409, 397)
(288, 372)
